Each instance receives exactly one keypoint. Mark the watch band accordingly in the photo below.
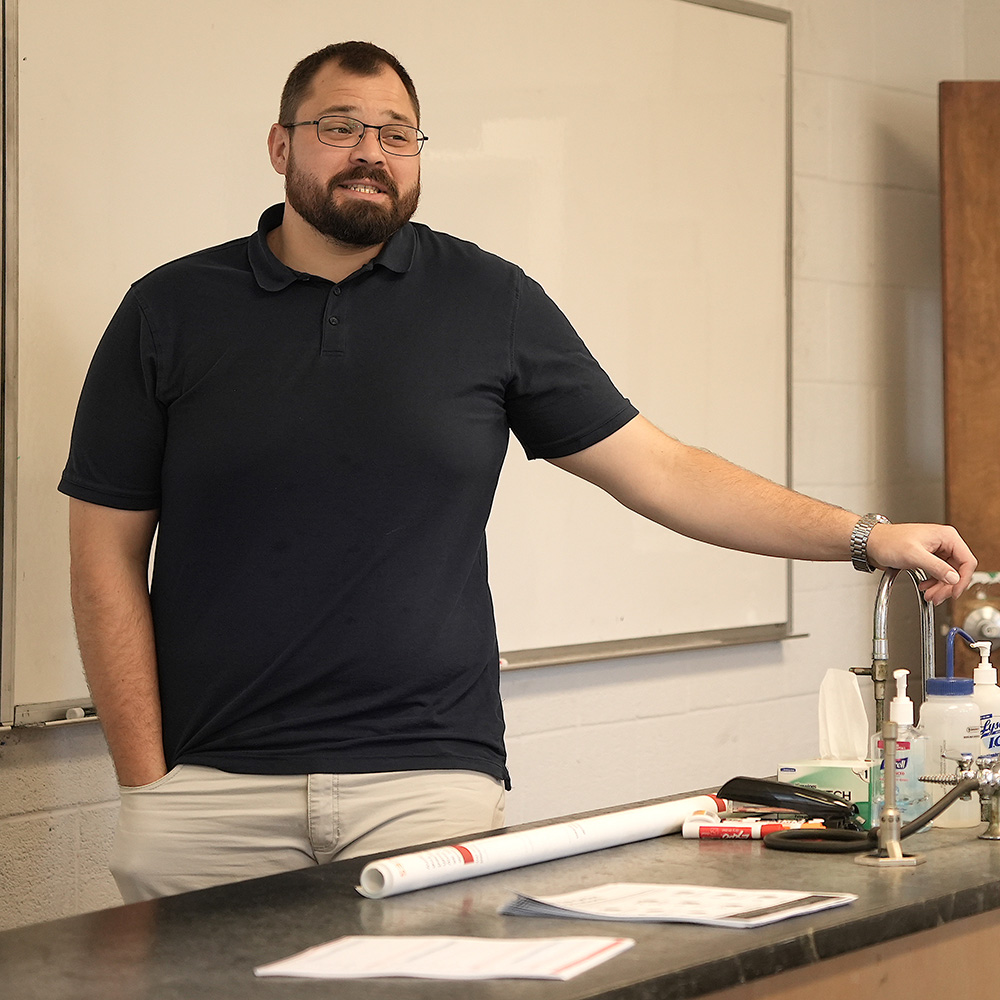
(859, 541)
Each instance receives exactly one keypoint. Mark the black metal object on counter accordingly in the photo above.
(812, 803)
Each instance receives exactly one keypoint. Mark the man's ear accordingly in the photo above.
(277, 147)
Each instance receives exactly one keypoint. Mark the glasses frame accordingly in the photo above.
(421, 138)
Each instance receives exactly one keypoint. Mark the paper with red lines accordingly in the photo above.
(442, 957)
(438, 865)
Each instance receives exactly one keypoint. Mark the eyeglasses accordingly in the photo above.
(333, 130)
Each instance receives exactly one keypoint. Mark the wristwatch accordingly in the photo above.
(859, 541)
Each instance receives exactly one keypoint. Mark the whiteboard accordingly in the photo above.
(668, 250)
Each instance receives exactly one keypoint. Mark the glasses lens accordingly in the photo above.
(402, 139)
(336, 131)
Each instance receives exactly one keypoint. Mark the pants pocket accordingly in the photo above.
(132, 789)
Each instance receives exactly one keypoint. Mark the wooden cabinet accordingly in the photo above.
(970, 237)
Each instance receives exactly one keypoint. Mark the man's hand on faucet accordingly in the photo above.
(938, 549)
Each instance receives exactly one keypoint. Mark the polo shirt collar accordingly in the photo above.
(398, 253)
(272, 275)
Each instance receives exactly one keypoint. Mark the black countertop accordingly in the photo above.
(203, 945)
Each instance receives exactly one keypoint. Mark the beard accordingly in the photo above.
(355, 224)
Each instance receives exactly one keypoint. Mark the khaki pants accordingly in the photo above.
(196, 827)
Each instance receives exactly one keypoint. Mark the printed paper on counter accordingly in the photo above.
(695, 904)
(449, 958)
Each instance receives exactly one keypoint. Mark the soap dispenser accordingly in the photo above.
(986, 695)
(912, 795)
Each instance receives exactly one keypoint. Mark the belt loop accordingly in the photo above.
(321, 797)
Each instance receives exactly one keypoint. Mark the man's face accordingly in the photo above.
(357, 196)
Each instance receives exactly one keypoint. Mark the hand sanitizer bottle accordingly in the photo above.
(986, 695)
(912, 795)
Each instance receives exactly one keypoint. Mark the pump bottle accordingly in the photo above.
(950, 719)
(912, 795)
(987, 696)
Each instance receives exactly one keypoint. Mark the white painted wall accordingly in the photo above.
(867, 420)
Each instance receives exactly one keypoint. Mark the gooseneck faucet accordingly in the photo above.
(879, 670)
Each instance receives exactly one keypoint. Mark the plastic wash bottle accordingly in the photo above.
(950, 719)
(912, 795)
(986, 695)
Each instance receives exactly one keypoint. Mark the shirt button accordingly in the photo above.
(336, 291)
(333, 321)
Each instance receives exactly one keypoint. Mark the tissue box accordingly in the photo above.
(848, 778)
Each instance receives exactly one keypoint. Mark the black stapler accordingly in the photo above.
(812, 803)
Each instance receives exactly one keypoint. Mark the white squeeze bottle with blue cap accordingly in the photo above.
(987, 697)
(912, 795)
(950, 719)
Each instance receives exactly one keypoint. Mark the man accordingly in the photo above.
(314, 419)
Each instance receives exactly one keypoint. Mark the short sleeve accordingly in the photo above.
(117, 444)
(559, 399)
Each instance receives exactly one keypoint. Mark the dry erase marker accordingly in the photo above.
(706, 827)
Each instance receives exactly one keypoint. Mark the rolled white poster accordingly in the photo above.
(437, 865)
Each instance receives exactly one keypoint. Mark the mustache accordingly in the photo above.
(361, 173)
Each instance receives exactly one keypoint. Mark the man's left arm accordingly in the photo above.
(700, 495)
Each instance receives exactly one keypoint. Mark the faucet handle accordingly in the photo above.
(986, 769)
(964, 760)
(862, 671)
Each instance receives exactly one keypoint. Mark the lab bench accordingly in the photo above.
(930, 931)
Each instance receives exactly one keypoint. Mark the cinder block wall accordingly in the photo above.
(867, 418)
(58, 804)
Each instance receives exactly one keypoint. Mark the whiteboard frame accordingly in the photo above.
(712, 638)
(36, 714)
(8, 362)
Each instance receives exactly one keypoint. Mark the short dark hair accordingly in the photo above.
(362, 58)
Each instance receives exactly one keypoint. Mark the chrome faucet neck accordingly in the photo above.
(879, 670)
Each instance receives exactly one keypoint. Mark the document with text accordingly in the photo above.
(697, 904)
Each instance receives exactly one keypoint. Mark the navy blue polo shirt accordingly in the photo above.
(324, 458)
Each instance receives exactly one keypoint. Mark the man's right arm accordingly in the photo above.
(109, 560)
